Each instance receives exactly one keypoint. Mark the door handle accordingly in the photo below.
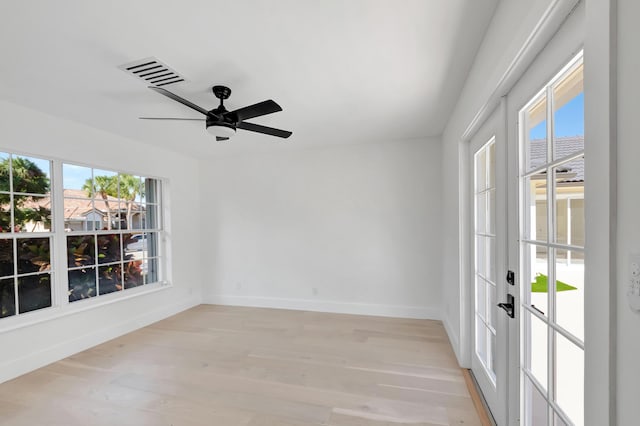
(539, 311)
(509, 306)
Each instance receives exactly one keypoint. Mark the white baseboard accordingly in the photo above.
(397, 311)
(35, 360)
(454, 338)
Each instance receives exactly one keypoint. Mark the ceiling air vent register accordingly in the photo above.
(152, 71)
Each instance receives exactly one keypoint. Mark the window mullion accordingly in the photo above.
(164, 217)
(14, 242)
(59, 243)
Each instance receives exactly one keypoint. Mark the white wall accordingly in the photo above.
(628, 322)
(62, 333)
(352, 228)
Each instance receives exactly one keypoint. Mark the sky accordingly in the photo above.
(74, 176)
(568, 120)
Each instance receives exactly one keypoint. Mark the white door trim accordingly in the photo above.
(600, 170)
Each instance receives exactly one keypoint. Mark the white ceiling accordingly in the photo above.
(344, 71)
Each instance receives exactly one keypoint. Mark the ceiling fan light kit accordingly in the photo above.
(222, 123)
(220, 130)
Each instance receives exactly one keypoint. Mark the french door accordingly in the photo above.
(488, 242)
(551, 244)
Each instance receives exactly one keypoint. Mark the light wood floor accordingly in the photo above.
(215, 365)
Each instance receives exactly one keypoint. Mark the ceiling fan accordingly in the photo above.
(222, 123)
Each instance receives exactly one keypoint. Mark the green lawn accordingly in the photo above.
(540, 285)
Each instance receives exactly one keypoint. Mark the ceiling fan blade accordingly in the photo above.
(263, 129)
(172, 118)
(220, 138)
(256, 110)
(177, 98)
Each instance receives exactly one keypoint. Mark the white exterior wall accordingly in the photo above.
(30, 132)
(352, 229)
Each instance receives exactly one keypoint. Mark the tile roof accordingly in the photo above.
(77, 205)
(564, 146)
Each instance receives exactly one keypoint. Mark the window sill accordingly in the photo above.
(47, 314)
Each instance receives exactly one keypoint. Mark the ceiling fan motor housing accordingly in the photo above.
(220, 128)
(221, 92)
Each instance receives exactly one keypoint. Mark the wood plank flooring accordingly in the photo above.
(217, 365)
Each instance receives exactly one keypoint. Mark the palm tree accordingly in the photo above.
(30, 179)
(27, 178)
(129, 189)
(105, 186)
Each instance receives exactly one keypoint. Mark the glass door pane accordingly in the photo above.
(569, 392)
(485, 256)
(568, 113)
(537, 411)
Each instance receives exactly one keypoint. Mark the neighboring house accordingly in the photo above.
(569, 189)
(82, 213)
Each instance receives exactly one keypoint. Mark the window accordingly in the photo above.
(112, 230)
(25, 234)
(108, 223)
